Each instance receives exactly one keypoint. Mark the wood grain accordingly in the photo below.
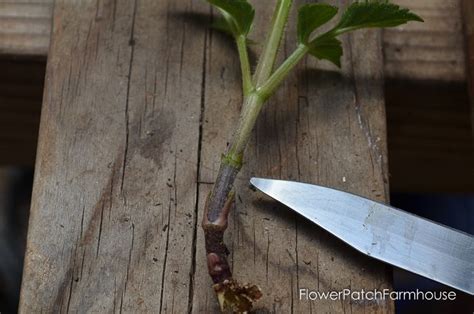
(113, 213)
(25, 26)
(429, 130)
(138, 104)
(433, 50)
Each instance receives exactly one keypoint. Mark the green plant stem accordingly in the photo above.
(272, 43)
(232, 160)
(254, 103)
(248, 117)
(247, 84)
(270, 86)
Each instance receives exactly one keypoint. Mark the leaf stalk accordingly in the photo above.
(270, 86)
(272, 43)
(247, 83)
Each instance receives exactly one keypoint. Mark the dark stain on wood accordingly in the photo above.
(154, 142)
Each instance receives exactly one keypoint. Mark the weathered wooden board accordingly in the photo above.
(25, 26)
(113, 213)
(116, 207)
(433, 50)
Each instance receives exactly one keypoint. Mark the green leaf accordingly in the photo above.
(222, 26)
(326, 48)
(360, 14)
(311, 16)
(373, 13)
(238, 14)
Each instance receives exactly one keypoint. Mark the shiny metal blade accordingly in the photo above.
(383, 232)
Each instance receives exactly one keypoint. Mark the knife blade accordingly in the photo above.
(383, 232)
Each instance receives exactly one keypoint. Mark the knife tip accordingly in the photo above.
(256, 182)
(253, 182)
(261, 183)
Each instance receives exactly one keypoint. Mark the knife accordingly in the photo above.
(383, 232)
